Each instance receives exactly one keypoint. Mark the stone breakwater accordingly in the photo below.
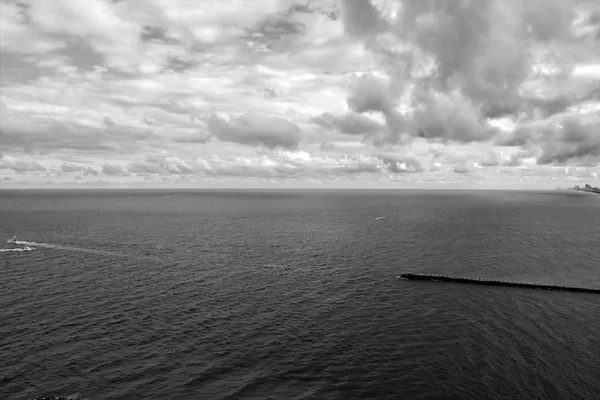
(475, 281)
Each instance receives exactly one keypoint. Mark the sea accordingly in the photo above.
(291, 294)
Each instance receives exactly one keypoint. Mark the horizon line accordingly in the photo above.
(125, 189)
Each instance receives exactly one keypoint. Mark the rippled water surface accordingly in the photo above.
(292, 295)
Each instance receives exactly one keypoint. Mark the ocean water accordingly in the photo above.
(293, 295)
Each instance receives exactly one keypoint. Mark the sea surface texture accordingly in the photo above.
(293, 295)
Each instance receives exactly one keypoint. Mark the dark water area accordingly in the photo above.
(293, 295)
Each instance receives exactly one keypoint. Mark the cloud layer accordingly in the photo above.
(479, 92)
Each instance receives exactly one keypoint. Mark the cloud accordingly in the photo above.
(325, 146)
(160, 164)
(173, 91)
(350, 123)
(585, 173)
(199, 136)
(70, 167)
(370, 93)
(20, 166)
(144, 167)
(281, 164)
(492, 159)
(41, 131)
(560, 140)
(361, 19)
(401, 165)
(449, 116)
(465, 62)
(253, 129)
(113, 170)
(463, 169)
(570, 141)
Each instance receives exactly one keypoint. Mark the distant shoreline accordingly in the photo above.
(586, 189)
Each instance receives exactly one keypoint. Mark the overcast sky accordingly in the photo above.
(261, 93)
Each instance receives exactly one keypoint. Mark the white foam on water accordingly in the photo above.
(25, 243)
(15, 250)
(61, 247)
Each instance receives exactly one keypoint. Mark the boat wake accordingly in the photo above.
(17, 250)
(26, 246)
(29, 246)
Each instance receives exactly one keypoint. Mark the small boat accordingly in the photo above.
(12, 240)
(27, 248)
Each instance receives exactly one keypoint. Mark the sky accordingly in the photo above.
(299, 93)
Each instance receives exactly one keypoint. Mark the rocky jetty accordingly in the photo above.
(491, 282)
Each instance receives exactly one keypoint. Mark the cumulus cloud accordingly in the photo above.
(70, 167)
(466, 61)
(255, 129)
(571, 140)
(370, 93)
(361, 19)
(449, 116)
(160, 164)
(282, 164)
(563, 139)
(350, 123)
(20, 166)
(399, 165)
(520, 158)
(177, 89)
(145, 167)
(492, 159)
(325, 146)
(463, 169)
(113, 170)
